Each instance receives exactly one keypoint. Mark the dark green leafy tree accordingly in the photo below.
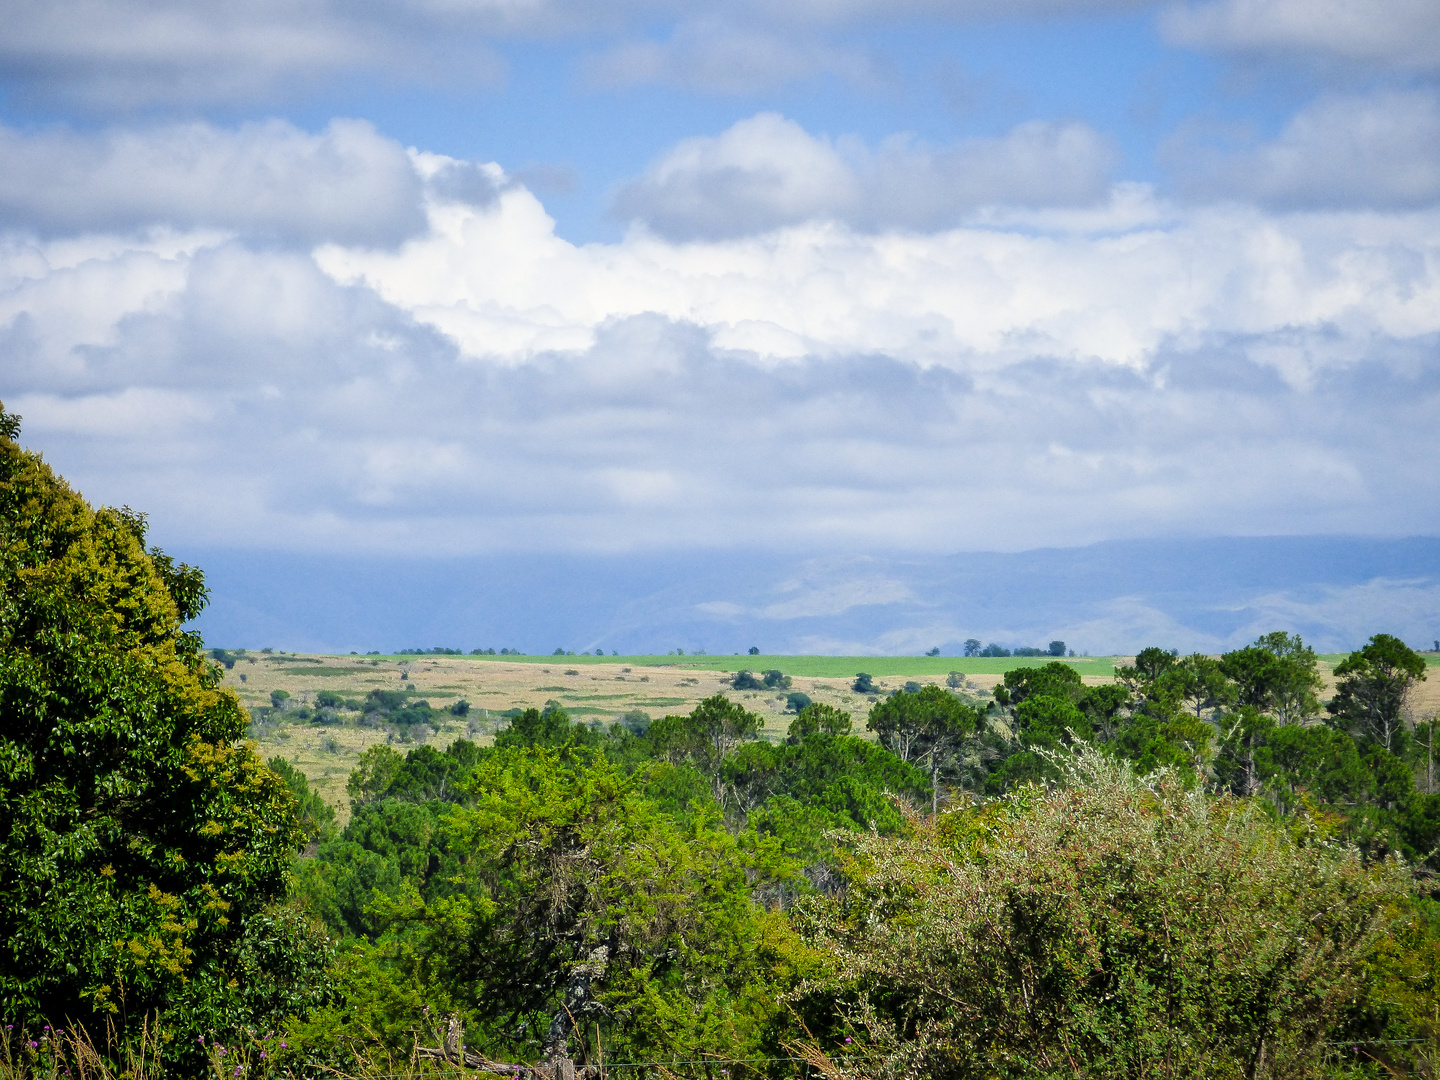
(1278, 675)
(1199, 682)
(930, 725)
(705, 736)
(1150, 665)
(316, 817)
(816, 718)
(1054, 680)
(863, 684)
(1372, 687)
(371, 777)
(851, 779)
(141, 843)
(550, 726)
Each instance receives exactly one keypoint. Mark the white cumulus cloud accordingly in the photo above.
(767, 172)
(486, 385)
(1381, 150)
(346, 183)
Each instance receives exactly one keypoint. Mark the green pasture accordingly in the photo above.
(815, 667)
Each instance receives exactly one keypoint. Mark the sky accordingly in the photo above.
(646, 279)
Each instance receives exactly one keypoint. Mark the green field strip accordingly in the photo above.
(827, 667)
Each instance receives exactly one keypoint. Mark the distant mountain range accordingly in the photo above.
(1107, 598)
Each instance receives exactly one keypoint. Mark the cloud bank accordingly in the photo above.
(1030, 376)
(1380, 150)
(1400, 34)
(767, 172)
(347, 183)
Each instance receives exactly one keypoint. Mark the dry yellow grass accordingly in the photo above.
(591, 692)
(594, 692)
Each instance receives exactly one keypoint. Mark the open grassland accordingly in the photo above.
(590, 689)
(596, 689)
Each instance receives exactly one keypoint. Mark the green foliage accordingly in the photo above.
(704, 737)
(315, 816)
(1054, 680)
(575, 903)
(142, 845)
(923, 724)
(851, 779)
(1277, 675)
(550, 726)
(814, 718)
(746, 680)
(1372, 687)
(1111, 928)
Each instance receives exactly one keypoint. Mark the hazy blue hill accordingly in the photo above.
(1109, 597)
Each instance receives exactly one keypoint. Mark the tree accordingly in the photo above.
(705, 736)
(863, 684)
(1150, 664)
(1050, 680)
(754, 650)
(1200, 683)
(144, 841)
(550, 726)
(814, 719)
(972, 646)
(316, 817)
(746, 680)
(1278, 675)
(934, 652)
(372, 775)
(1372, 686)
(929, 725)
(796, 701)
(576, 904)
(1057, 648)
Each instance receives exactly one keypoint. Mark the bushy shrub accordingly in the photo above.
(1114, 926)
